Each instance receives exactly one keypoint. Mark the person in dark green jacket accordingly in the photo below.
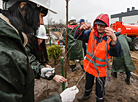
(74, 47)
(16, 75)
(123, 63)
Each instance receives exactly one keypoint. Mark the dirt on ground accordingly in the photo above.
(134, 55)
(115, 91)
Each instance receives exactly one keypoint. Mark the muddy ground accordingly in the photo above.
(116, 91)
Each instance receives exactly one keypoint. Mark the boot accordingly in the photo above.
(127, 80)
(97, 100)
(72, 67)
(78, 66)
(83, 97)
(114, 74)
(82, 68)
(100, 101)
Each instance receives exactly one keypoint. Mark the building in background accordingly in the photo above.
(129, 17)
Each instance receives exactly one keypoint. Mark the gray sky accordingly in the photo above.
(88, 9)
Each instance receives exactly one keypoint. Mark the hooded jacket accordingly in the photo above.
(85, 36)
(16, 76)
(105, 19)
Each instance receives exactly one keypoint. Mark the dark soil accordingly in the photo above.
(116, 91)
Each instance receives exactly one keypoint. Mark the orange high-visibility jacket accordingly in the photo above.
(99, 54)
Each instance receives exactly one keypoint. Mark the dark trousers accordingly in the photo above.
(127, 74)
(99, 87)
(84, 47)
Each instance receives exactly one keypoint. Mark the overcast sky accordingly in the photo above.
(88, 9)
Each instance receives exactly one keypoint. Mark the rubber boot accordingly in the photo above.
(78, 66)
(100, 101)
(114, 74)
(127, 80)
(97, 100)
(72, 67)
(83, 97)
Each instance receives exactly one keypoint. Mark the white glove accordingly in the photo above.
(48, 73)
(68, 95)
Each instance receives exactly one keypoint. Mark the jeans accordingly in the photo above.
(99, 87)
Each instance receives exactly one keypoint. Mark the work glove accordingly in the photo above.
(68, 95)
(48, 73)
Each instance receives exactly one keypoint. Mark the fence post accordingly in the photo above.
(63, 74)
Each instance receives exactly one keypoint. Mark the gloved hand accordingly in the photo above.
(68, 95)
(48, 73)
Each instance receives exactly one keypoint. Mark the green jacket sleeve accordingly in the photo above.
(129, 40)
(74, 45)
(16, 77)
(54, 98)
(35, 64)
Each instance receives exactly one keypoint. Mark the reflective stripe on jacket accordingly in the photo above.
(95, 61)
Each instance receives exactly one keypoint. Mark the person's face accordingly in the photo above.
(39, 41)
(41, 15)
(82, 23)
(100, 28)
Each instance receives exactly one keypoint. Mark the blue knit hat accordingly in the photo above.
(82, 20)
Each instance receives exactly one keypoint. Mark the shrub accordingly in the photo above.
(54, 52)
